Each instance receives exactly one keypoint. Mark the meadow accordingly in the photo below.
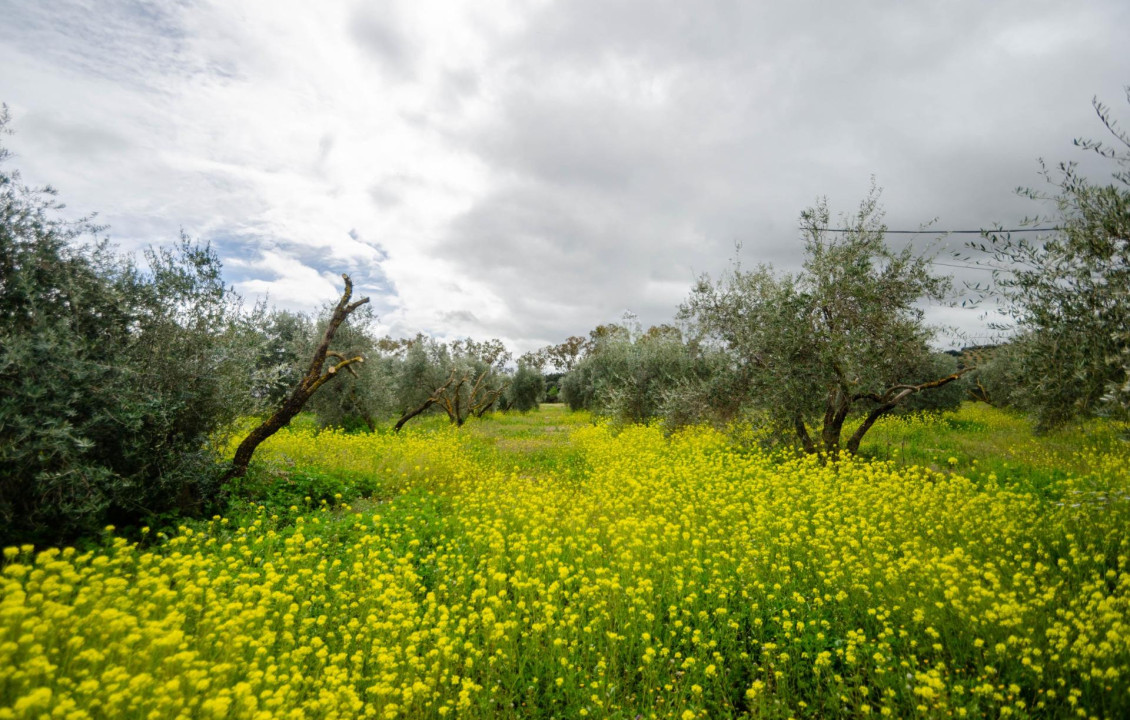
(546, 565)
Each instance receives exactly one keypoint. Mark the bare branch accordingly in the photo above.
(329, 374)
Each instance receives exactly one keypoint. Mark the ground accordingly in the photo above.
(545, 565)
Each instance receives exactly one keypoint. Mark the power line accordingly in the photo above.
(941, 232)
(971, 267)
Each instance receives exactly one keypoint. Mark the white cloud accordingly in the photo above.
(290, 284)
(529, 170)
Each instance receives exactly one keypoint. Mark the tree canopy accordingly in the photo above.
(1069, 291)
(843, 335)
(116, 376)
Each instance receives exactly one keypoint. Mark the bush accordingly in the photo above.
(525, 391)
(115, 378)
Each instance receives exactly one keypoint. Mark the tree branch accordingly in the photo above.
(348, 366)
(329, 374)
(488, 400)
(432, 400)
(901, 392)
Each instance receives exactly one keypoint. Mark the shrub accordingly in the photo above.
(114, 376)
(526, 389)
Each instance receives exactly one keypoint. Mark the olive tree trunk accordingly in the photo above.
(314, 378)
(434, 398)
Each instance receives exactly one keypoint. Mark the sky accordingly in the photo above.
(529, 170)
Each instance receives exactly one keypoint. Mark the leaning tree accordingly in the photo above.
(317, 375)
(463, 379)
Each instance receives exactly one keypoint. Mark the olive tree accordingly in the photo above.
(479, 380)
(998, 379)
(940, 399)
(592, 373)
(463, 379)
(1069, 291)
(324, 366)
(282, 339)
(526, 387)
(843, 336)
(637, 376)
(115, 375)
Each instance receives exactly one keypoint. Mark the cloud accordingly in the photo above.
(464, 318)
(377, 31)
(639, 141)
(285, 280)
(531, 170)
(126, 43)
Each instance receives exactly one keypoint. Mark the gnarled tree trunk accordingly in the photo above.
(839, 406)
(835, 413)
(802, 433)
(314, 378)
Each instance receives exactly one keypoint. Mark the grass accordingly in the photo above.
(546, 566)
(982, 442)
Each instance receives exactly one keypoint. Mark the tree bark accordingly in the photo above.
(835, 414)
(459, 417)
(802, 433)
(857, 436)
(314, 378)
(488, 402)
(450, 400)
(409, 415)
(489, 398)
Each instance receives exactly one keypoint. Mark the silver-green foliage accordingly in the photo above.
(999, 377)
(845, 335)
(525, 390)
(1070, 292)
(639, 377)
(114, 376)
(408, 378)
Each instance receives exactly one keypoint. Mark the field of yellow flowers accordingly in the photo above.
(549, 567)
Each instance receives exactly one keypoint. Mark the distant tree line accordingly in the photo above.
(406, 378)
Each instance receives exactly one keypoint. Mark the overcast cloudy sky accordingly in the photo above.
(528, 170)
